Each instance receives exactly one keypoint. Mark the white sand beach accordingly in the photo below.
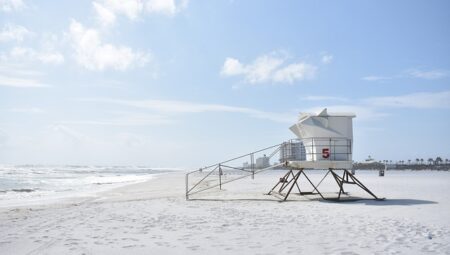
(154, 218)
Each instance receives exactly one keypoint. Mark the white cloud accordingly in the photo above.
(411, 73)
(377, 107)
(17, 70)
(429, 75)
(46, 57)
(262, 69)
(376, 78)
(16, 82)
(269, 68)
(181, 107)
(293, 72)
(165, 7)
(11, 32)
(18, 76)
(424, 100)
(231, 67)
(93, 54)
(11, 5)
(129, 8)
(125, 119)
(107, 10)
(34, 110)
(324, 98)
(327, 58)
(105, 16)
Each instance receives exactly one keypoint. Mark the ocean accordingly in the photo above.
(35, 184)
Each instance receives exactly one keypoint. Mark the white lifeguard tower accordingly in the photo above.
(327, 139)
(324, 142)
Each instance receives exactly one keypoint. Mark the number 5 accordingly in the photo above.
(325, 153)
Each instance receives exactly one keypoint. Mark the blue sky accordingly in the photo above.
(185, 83)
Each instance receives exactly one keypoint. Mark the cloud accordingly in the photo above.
(183, 107)
(16, 76)
(327, 58)
(20, 82)
(269, 68)
(130, 8)
(374, 108)
(324, 98)
(107, 10)
(11, 32)
(17, 70)
(125, 119)
(293, 72)
(429, 75)
(376, 78)
(11, 5)
(33, 110)
(45, 57)
(232, 67)
(423, 100)
(165, 7)
(93, 54)
(377, 107)
(105, 16)
(411, 73)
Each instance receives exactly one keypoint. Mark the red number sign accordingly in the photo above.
(325, 153)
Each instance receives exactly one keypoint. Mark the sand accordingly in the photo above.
(155, 218)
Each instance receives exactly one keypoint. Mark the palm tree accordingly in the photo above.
(409, 161)
(438, 160)
(430, 161)
(417, 161)
(421, 161)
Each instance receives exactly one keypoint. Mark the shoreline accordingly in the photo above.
(73, 197)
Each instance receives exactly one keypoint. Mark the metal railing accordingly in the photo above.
(250, 165)
(310, 149)
(324, 148)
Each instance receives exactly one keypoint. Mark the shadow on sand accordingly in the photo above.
(353, 200)
(384, 202)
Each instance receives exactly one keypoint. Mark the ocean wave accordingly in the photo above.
(23, 190)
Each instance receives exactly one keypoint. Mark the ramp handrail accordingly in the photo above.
(219, 166)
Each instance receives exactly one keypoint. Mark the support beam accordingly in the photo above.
(290, 180)
(295, 181)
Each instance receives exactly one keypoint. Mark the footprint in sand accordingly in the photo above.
(194, 248)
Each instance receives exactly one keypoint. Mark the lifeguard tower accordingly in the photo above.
(327, 139)
(324, 142)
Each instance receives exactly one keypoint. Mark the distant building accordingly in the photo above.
(262, 162)
(292, 151)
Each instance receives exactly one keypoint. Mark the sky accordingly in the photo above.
(168, 83)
